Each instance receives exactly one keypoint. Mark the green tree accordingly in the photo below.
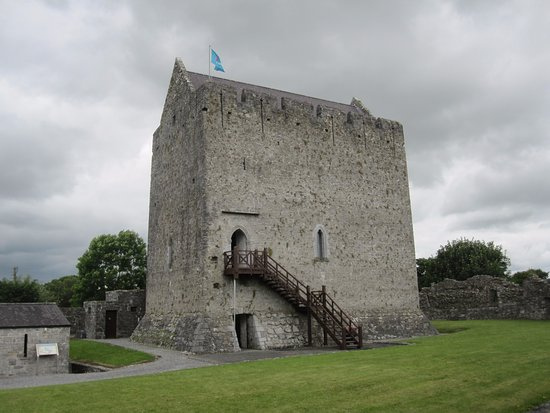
(520, 276)
(461, 259)
(20, 290)
(111, 262)
(61, 290)
(425, 273)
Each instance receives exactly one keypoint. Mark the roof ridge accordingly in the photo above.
(198, 79)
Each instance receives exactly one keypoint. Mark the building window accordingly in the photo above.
(493, 296)
(25, 345)
(320, 243)
(170, 253)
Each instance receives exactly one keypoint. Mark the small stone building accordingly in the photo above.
(484, 297)
(115, 317)
(34, 339)
(268, 208)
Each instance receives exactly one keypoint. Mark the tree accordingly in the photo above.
(425, 273)
(20, 290)
(111, 262)
(61, 290)
(520, 276)
(461, 259)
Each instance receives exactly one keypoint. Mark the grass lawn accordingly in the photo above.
(105, 354)
(480, 366)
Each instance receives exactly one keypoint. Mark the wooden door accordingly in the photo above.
(110, 324)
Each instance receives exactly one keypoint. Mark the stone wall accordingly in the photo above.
(13, 360)
(279, 167)
(485, 297)
(75, 315)
(129, 306)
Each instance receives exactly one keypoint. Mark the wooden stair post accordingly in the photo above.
(324, 298)
(309, 339)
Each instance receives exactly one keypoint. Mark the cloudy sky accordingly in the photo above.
(82, 85)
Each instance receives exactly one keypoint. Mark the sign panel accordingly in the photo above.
(47, 349)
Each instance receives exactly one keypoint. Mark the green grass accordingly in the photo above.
(484, 366)
(105, 354)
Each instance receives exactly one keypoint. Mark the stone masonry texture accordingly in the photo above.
(484, 297)
(14, 361)
(279, 167)
(129, 306)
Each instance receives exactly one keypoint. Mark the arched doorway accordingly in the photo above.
(238, 239)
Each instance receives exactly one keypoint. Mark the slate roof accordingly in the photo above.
(16, 315)
(199, 79)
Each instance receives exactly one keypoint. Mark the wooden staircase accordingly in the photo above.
(345, 332)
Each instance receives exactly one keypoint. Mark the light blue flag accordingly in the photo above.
(215, 59)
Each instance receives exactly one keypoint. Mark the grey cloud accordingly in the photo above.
(35, 160)
(468, 80)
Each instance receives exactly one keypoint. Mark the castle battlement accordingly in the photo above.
(267, 103)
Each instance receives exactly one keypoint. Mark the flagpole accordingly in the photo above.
(209, 65)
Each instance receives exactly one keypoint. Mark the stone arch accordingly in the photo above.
(320, 243)
(239, 239)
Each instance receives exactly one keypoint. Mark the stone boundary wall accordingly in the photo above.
(129, 306)
(75, 315)
(483, 297)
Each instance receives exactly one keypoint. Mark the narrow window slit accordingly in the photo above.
(221, 106)
(262, 114)
(332, 127)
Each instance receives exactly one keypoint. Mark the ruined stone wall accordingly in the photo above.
(484, 297)
(279, 169)
(94, 319)
(75, 315)
(14, 362)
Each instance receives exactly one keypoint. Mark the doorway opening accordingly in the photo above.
(238, 239)
(110, 323)
(244, 328)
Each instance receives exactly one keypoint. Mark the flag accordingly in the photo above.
(215, 59)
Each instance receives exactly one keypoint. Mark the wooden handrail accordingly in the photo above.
(334, 321)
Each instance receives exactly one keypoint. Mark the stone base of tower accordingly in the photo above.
(200, 333)
(196, 333)
(382, 325)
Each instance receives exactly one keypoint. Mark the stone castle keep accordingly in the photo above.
(251, 187)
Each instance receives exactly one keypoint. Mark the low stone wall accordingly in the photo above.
(484, 297)
(383, 325)
(75, 315)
